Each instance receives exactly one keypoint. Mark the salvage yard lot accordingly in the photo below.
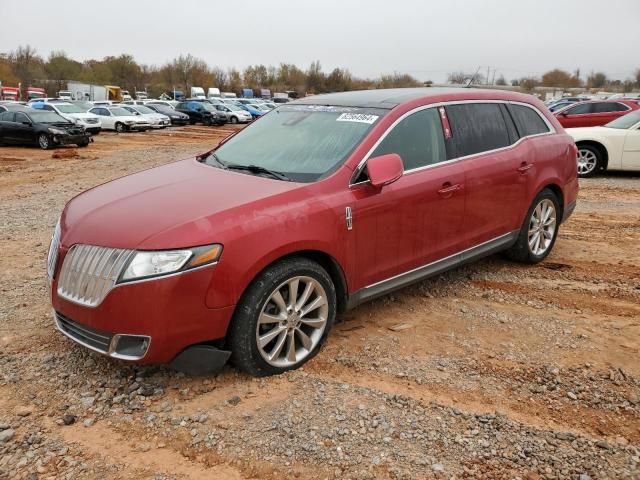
(494, 370)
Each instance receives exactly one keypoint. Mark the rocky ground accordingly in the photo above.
(494, 370)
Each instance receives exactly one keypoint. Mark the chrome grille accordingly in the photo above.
(52, 257)
(89, 273)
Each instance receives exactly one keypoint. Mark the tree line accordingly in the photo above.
(26, 66)
(556, 78)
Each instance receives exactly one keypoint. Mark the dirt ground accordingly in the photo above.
(494, 370)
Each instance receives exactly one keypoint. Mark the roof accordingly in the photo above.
(391, 98)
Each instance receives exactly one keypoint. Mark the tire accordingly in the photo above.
(206, 122)
(192, 122)
(83, 144)
(589, 161)
(44, 142)
(526, 249)
(312, 283)
(120, 128)
(234, 120)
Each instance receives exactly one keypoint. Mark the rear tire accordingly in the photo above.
(283, 318)
(192, 122)
(44, 142)
(83, 144)
(589, 161)
(539, 231)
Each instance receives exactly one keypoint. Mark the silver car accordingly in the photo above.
(233, 113)
(157, 120)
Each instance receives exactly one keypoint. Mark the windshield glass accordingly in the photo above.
(45, 116)
(234, 108)
(69, 109)
(626, 121)
(144, 110)
(208, 107)
(304, 142)
(120, 112)
(164, 109)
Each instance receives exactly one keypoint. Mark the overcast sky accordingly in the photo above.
(425, 38)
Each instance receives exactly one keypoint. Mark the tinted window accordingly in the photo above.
(181, 105)
(417, 139)
(605, 107)
(476, 128)
(6, 116)
(620, 107)
(528, 120)
(580, 109)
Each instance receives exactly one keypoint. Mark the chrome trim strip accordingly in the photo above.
(420, 273)
(362, 162)
(160, 277)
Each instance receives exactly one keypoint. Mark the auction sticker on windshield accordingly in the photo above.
(357, 117)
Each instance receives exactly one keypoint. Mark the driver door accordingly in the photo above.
(418, 218)
(23, 129)
(631, 153)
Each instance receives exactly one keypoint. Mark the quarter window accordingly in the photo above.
(528, 120)
(476, 128)
(418, 139)
(605, 107)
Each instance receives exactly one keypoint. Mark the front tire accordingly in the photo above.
(44, 142)
(234, 120)
(539, 230)
(120, 127)
(283, 318)
(589, 161)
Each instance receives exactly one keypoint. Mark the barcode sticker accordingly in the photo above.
(357, 117)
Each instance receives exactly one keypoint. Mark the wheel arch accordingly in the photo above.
(600, 146)
(557, 191)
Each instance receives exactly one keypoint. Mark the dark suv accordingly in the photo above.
(201, 112)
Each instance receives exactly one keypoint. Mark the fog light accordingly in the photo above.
(129, 347)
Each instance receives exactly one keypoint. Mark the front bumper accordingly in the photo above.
(70, 139)
(170, 313)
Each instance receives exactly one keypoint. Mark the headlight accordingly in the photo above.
(158, 263)
(129, 122)
(57, 131)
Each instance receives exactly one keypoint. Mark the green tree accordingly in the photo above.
(60, 68)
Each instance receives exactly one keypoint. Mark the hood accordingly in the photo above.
(172, 206)
(81, 115)
(585, 133)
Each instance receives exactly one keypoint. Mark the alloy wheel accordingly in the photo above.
(292, 321)
(43, 141)
(587, 161)
(542, 227)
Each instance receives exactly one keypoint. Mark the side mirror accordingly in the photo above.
(385, 169)
(27, 122)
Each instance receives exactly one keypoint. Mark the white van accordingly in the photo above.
(197, 92)
(213, 93)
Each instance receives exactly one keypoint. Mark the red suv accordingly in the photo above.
(251, 249)
(594, 113)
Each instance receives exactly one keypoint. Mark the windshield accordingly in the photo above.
(144, 110)
(120, 112)
(304, 142)
(164, 109)
(208, 107)
(46, 117)
(626, 121)
(234, 108)
(69, 109)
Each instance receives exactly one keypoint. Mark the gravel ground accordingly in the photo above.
(494, 370)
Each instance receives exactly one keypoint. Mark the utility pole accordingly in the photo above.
(493, 78)
(487, 79)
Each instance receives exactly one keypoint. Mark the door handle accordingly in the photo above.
(448, 189)
(524, 167)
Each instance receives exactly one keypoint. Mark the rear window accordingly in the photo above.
(528, 120)
(607, 107)
(476, 128)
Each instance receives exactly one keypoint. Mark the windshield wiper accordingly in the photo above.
(216, 159)
(258, 169)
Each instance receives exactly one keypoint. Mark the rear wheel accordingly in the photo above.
(589, 161)
(120, 127)
(539, 231)
(44, 142)
(283, 318)
(192, 122)
(83, 144)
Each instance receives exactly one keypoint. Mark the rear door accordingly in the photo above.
(495, 175)
(416, 219)
(605, 112)
(7, 127)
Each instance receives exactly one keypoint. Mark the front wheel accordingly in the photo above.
(44, 142)
(206, 122)
(539, 231)
(283, 318)
(589, 161)
(234, 120)
(120, 127)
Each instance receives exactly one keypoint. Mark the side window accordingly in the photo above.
(418, 139)
(477, 128)
(580, 109)
(7, 116)
(621, 107)
(528, 120)
(21, 117)
(605, 107)
(48, 107)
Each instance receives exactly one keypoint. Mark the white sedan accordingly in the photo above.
(120, 120)
(74, 113)
(614, 146)
(157, 120)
